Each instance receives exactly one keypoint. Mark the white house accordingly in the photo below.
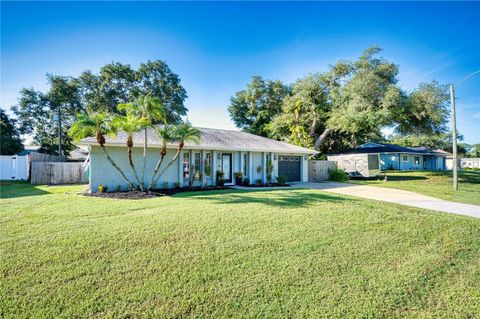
(470, 162)
(218, 150)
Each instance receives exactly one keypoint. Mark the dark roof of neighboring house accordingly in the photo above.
(210, 139)
(28, 149)
(390, 148)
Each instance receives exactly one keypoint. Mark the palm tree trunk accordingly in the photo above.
(107, 156)
(157, 167)
(130, 162)
(166, 168)
(144, 156)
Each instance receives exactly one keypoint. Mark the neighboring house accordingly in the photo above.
(218, 150)
(470, 162)
(396, 157)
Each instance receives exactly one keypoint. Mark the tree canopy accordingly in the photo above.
(114, 84)
(10, 142)
(254, 108)
(345, 106)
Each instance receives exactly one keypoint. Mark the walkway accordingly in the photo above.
(392, 196)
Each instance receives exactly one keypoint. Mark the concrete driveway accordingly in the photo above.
(395, 196)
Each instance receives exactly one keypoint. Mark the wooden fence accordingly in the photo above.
(320, 170)
(57, 173)
(40, 157)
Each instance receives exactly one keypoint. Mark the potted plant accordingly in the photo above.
(238, 177)
(258, 182)
(220, 181)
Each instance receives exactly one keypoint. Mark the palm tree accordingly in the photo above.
(130, 123)
(152, 110)
(97, 124)
(167, 133)
(182, 133)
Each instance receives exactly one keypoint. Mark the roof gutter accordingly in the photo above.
(199, 147)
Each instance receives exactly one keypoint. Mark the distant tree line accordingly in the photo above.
(344, 107)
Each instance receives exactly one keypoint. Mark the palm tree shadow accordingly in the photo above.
(277, 198)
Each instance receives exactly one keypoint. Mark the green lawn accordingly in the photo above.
(287, 253)
(435, 184)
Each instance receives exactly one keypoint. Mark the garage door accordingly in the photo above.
(289, 166)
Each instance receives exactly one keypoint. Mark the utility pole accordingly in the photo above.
(60, 153)
(454, 138)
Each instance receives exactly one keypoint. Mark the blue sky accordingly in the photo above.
(216, 47)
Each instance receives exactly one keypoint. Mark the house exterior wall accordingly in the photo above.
(407, 162)
(257, 160)
(102, 172)
(396, 161)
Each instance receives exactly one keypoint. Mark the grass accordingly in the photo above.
(283, 253)
(431, 183)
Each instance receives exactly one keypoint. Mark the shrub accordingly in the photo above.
(118, 189)
(102, 188)
(246, 181)
(338, 175)
(258, 182)
(281, 180)
(165, 185)
(238, 178)
(220, 181)
(176, 184)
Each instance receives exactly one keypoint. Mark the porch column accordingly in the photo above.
(214, 168)
(180, 169)
(264, 167)
(202, 165)
(250, 168)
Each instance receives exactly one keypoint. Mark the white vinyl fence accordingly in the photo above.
(13, 167)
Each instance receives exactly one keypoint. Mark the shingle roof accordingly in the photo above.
(390, 148)
(210, 139)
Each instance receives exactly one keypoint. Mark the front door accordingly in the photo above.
(424, 163)
(227, 167)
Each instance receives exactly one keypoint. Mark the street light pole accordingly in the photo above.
(454, 138)
(454, 129)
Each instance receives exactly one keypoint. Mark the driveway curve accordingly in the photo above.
(395, 196)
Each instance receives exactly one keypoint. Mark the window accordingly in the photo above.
(197, 163)
(186, 165)
(245, 164)
(373, 162)
(405, 158)
(417, 161)
(208, 164)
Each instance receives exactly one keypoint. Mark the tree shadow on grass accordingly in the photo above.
(13, 189)
(394, 178)
(277, 198)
